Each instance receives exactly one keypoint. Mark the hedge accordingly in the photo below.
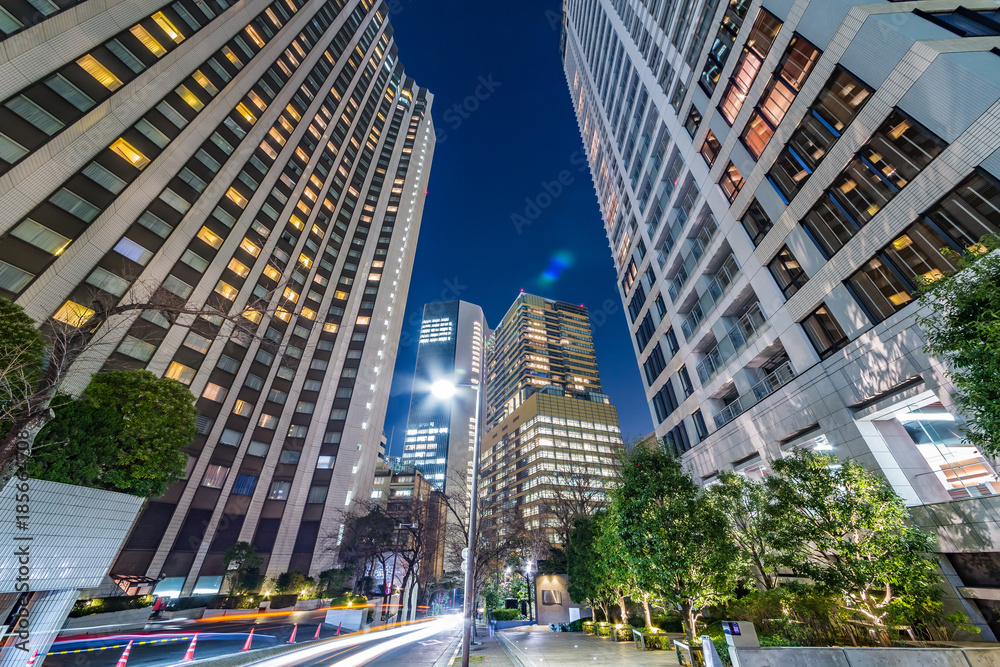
(107, 605)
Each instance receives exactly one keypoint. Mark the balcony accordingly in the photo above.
(689, 260)
(718, 286)
(778, 378)
(735, 341)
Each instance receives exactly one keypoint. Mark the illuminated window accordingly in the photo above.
(331, 327)
(282, 314)
(231, 56)
(267, 421)
(252, 315)
(168, 27)
(148, 41)
(250, 247)
(242, 408)
(296, 222)
(236, 197)
(214, 392)
(293, 113)
(246, 113)
(305, 261)
(254, 36)
(362, 320)
(374, 277)
(290, 294)
(226, 290)
(73, 314)
(180, 372)
(239, 268)
(210, 237)
(103, 75)
(309, 314)
(41, 237)
(130, 153)
(205, 83)
(189, 97)
(340, 294)
(256, 99)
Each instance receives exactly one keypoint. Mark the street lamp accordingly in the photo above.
(445, 390)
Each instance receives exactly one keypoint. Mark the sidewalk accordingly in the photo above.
(487, 653)
(535, 646)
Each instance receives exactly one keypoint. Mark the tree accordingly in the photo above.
(21, 349)
(573, 493)
(847, 530)
(333, 581)
(963, 328)
(126, 433)
(582, 558)
(242, 568)
(292, 582)
(745, 503)
(673, 534)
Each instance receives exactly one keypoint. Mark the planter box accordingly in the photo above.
(309, 605)
(503, 625)
(348, 619)
(114, 621)
(213, 613)
(193, 613)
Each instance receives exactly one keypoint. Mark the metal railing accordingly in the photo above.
(777, 379)
(717, 288)
(675, 226)
(736, 339)
(699, 245)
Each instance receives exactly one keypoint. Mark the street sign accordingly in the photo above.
(465, 566)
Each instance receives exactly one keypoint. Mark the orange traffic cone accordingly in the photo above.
(34, 657)
(246, 647)
(337, 633)
(318, 628)
(189, 656)
(291, 640)
(122, 660)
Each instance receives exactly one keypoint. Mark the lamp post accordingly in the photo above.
(527, 580)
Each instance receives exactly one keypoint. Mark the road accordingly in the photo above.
(169, 643)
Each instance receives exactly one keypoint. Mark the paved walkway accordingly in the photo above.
(486, 654)
(535, 646)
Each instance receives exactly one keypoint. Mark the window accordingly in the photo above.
(756, 222)
(226, 290)
(70, 313)
(836, 106)
(277, 396)
(289, 456)
(731, 182)
(824, 332)
(685, 380)
(180, 372)
(155, 224)
(693, 121)
(297, 431)
(645, 331)
(325, 462)
(242, 408)
(244, 485)
(787, 272)
(203, 424)
(257, 448)
(654, 365)
(758, 44)
(305, 407)
(197, 342)
(41, 237)
(230, 437)
(317, 494)
(214, 392)
(279, 490)
(102, 74)
(69, 92)
(210, 237)
(148, 41)
(104, 280)
(786, 82)
(215, 476)
(267, 421)
(137, 349)
(710, 149)
(74, 204)
(664, 401)
(130, 153)
(699, 425)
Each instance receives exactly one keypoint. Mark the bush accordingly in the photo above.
(234, 602)
(108, 605)
(348, 600)
(499, 614)
(180, 604)
(575, 626)
(668, 623)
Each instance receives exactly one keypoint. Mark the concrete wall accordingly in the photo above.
(115, 621)
(552, 603)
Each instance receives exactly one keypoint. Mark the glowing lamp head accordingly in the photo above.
(443, 389)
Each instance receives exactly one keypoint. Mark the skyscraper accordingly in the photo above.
(263, 158)
(553, 437)
(442, 422)
(776, 179)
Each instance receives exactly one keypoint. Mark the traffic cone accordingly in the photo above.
(122, 660)
(291, 640)
(189, 656)
(246, 647)
(318, 628)
(34, 657)
(337, 633)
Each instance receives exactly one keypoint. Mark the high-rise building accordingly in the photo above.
(553, 437)
(442, 422)
(268, 158)
(776, 178)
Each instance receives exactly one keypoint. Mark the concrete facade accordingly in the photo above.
(767, 220)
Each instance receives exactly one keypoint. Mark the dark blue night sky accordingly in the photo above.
(507, 136)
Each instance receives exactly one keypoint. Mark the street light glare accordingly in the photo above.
(443, 389)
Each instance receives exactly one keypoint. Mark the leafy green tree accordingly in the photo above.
(744, 503)
(333, 581)
(242, 568)
(673, 534)
(846, 529)
(616, 573)
(292, 582)
(582, 561)
(127, 433)
(963, 328)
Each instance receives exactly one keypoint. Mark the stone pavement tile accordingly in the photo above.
(487, 654)
(534, 646)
